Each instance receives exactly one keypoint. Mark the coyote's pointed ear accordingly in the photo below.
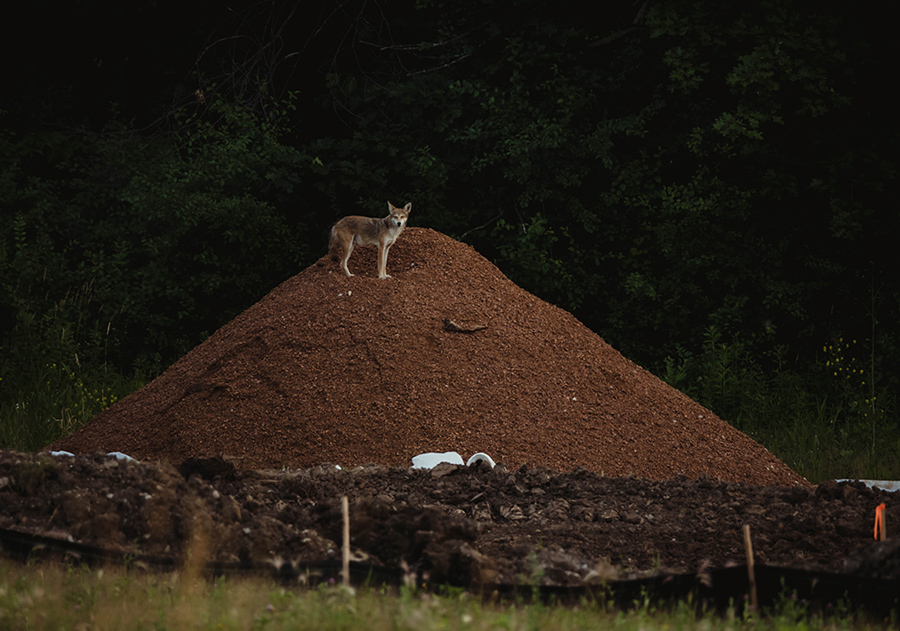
(408, 207)
(391, 207)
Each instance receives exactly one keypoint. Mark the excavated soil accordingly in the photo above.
(462, 525)
(605, 470)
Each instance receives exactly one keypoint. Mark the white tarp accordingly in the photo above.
(113, 454)
(431, 459)
(884, 485)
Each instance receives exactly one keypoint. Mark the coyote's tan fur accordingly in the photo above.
(354, 230)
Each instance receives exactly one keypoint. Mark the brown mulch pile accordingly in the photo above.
(449, 354)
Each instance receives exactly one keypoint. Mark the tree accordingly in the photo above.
(655, 172)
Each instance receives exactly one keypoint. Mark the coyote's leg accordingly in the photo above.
(382, 260)
(348, 250)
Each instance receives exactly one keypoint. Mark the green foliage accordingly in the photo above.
(529, 254)
(119, 253)
(161, 239)
(54, 376)
(822, 428)
(41, 403)
(202, 235)
(686, 168)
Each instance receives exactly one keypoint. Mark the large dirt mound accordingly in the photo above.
(327, 368)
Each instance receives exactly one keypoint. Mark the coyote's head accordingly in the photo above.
(399, 215)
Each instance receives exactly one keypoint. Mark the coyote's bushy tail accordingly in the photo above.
(334, 245)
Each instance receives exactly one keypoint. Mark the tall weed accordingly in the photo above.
(825, 423)
(53, 374)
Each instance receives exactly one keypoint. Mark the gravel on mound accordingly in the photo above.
(448, 355)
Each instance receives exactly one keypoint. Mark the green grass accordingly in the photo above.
(50, 400)
(55, 596)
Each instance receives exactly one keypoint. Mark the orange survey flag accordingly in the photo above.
(879, 523)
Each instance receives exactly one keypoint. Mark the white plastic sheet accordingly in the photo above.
(884, 485)
(113, 454)
(431, 459)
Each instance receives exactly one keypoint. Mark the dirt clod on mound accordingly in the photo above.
(327, 368)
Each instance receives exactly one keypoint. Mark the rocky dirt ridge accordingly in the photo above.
(457, 524)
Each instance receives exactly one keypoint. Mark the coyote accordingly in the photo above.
(353, 230)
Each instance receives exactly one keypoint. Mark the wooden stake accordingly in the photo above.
(345, 508)
(751, 573)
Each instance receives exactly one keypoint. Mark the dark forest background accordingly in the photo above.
(711, 188)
